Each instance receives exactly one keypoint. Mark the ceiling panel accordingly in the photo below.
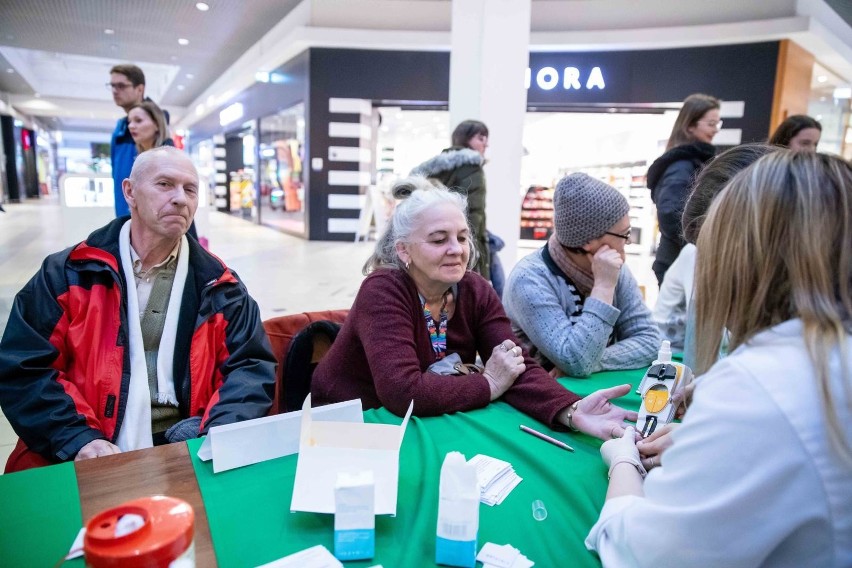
(144, 32)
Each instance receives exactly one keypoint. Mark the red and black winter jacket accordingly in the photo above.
(65, 361)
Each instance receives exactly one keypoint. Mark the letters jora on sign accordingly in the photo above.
(547, 78)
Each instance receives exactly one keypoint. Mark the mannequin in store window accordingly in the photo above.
(798, 132)
(459, 168)
(671, 175)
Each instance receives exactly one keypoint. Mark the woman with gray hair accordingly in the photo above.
(422, 316)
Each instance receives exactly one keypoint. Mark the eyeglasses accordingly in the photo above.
(625, 235)
(717, 124)
(118, 86)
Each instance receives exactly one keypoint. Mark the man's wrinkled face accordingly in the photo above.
(165, 197)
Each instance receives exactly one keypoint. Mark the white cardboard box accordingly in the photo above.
(329, 448)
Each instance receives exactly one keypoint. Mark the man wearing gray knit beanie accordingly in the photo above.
(573, 304)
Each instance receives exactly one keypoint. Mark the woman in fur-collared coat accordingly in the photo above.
(459, 168)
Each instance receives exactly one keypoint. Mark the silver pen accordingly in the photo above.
(547, 438)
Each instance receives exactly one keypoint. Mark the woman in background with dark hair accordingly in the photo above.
(671, 175)
(672, 311)
(799, 132)
(459, 168)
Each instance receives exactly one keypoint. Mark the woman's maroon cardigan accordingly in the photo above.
(383, 350)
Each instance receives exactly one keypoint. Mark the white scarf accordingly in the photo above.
(135, 431)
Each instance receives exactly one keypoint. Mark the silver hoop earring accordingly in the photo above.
(407, 265)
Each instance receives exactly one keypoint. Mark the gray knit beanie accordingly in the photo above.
(584, 208)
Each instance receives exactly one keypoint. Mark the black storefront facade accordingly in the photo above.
(338, 86)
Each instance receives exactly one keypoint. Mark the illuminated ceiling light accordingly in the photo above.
(183, 41)
(843, 93)
(822, 79)
(10, 70)
(180, 87)
(231, 114)
(190, 76)
(109, 31)
(202, 6)
(173, 57)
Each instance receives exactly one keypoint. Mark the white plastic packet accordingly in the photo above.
(458, 513)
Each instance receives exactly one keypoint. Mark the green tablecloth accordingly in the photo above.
(40, 516)
(249, 508)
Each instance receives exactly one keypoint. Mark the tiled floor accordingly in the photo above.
(284, 274)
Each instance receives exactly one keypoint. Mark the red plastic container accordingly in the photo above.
(165, 535)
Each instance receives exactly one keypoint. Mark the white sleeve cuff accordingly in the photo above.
(611, 549)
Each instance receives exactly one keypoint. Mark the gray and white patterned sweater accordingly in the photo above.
(559, 328)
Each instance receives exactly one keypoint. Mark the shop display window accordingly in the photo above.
(614, 146)
(829, 103)
(281, 195)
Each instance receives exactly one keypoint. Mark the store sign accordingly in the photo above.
(570, 78)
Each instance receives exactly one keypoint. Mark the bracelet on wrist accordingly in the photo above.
(570, 416)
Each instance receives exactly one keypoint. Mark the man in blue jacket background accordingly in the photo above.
(127, 83)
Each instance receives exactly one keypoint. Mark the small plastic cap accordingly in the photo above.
(664, 355)
(538, 510)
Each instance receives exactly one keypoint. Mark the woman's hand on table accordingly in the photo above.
(651, 448)
(97, 449)
(504, 366)
(598, 417)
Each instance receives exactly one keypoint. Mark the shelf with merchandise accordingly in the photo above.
(537, 213)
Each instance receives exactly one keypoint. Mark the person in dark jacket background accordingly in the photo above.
(459, 168)
(670, 176)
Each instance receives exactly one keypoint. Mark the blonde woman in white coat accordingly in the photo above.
(760, 471)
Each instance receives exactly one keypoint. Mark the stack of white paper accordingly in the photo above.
(506, 556)
(496, 478)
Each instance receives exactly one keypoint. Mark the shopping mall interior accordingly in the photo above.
(299, 116)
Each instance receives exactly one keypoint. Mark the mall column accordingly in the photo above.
(490, 54)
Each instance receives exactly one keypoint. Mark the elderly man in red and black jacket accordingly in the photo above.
(135, 337)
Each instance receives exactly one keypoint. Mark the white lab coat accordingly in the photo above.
(751, 480)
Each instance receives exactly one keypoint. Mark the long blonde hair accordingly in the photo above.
(777, 245)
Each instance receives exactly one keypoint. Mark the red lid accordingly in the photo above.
(167, 531)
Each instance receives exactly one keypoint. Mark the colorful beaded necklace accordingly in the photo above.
(437, 333)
